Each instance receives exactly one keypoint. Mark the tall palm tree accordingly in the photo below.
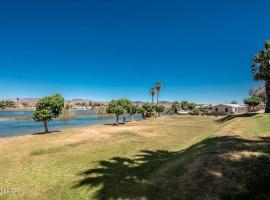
(158, 86)
(18, 99)
(261, 70)
(152, 91)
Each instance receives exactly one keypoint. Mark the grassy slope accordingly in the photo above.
(187, 157)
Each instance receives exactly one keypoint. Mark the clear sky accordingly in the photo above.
(97, 49)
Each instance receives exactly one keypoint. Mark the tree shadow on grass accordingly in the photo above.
(42, 133)
(114, 124)
(215, 168)
(230, 117)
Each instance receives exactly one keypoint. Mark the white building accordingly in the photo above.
(229, 109)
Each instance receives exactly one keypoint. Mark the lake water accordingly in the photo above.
(23, 127)
(16, 113)
(29, 113)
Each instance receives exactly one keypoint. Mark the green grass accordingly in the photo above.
(185, 157)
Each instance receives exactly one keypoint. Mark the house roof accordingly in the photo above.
(231, 105)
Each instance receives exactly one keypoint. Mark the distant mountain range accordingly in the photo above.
(72, 101)
(29, 100)
(160, 102)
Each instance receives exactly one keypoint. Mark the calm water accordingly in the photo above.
(16, 113)
(23, 127)
(30, 113)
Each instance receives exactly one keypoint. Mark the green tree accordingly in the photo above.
(67, 106)
(132, 110)
(118, 107)
(10, 104)
(83, 104)
(25, 104)
(48, 108)
(199, 110)
(233, 102)
(253, 101)
(260, 92)
(142, 111)
(159, 109)
(3, 105)
(152, 92)
(196, 111)
(126, 103)
(158, 86)
(96, 104)
(184, 105)
(90, 103)
(261, 70)
(175, 107)
(192, 106)
(149, 109)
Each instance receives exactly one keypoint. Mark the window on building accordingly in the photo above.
(226, 110)
(216, 109)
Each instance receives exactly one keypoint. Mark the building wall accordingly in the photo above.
(220, 109)
(242, 109)
(225, 109)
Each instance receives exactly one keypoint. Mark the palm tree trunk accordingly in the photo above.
(157, 96)
(153, 99)
(267, 91)
(45, 122)
(117, 119)
(131, 117)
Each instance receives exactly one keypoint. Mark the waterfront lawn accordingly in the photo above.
(176, 157)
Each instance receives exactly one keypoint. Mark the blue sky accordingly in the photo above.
(200, 50)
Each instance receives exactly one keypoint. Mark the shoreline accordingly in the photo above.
(33, 109)
(87, 127)
(70, 129)
(17, 118)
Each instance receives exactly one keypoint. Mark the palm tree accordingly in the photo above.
(18, 99)
(261, 70)
(158, 86)
(152, 91)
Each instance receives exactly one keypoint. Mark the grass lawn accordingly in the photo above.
(177, 157)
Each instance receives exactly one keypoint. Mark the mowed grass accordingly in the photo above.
(172, 157)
